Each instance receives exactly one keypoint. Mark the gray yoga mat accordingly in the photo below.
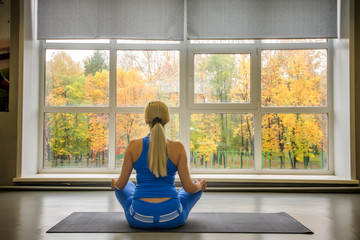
(114, 222)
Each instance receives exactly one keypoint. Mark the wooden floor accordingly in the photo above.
(29, 214)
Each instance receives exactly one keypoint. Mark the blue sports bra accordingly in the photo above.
(147, 184)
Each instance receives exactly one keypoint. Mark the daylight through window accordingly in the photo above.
(236, 105)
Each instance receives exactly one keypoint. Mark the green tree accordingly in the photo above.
(64, 80)
(96, 63)
(223, 78)
(68, 134)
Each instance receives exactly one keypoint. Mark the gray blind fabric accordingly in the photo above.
(206, 19)
(128, 19)
(261, 19)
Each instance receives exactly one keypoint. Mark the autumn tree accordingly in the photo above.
(220, 71)
(144, 76)
(132, 90)
(96, 89)
(72, 136)
(62, 73)
(225, 78)
(293, 78)
(68, 133)
(98, 137)
(243, 138)
(204, 138)
(159, 70)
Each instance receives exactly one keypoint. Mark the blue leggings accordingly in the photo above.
(168, 214)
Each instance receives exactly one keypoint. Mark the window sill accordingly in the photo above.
(213, 178)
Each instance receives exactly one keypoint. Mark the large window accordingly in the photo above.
(238, 106)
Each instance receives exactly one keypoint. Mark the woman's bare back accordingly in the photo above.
(177, 155)
(173, 152)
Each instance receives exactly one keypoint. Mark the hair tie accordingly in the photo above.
(157, 120)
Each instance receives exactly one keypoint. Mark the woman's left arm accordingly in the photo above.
(126, 169)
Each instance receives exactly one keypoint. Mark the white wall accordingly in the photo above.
(341, 121)
(341, 75)
(28, 121)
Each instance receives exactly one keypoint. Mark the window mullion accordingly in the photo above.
(330, 105)
(112, 103)
(256, 98)
(41, 137)
(257, 140)
(184, 116)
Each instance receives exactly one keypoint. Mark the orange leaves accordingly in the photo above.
(240, 90)
(98, 132)
(144, 76)
(97, 89)
(302, 134)
(132, 88)
(293, 78)
(205, 136)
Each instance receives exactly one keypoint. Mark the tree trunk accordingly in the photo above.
(56, 160)
(96, 158)
(222, 158)
(291, 160)
(241, 160)
(103, 157)
(281, 145)
(250, 135)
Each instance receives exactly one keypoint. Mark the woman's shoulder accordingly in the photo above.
(175, 149)
(135, 149)
(135, 144)
(175, 144)
(136, 140)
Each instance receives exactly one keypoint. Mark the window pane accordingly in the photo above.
(222, 140)
(130, 126)
(144, 76)
(294, 141)
(222, 78)
(77, 78)
(294, 78)
(76, 140)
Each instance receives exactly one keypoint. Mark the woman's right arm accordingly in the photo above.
(127, 167)
(184, 174)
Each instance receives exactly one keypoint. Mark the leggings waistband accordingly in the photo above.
(159, 212)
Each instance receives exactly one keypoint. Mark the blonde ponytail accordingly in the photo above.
(157, 151)
(157, 116)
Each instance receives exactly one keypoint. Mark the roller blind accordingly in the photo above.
(256, 19)
(128, 19)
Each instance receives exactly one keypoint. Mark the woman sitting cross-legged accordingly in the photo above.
(155, 202)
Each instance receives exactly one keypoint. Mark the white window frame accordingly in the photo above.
(186, 98)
